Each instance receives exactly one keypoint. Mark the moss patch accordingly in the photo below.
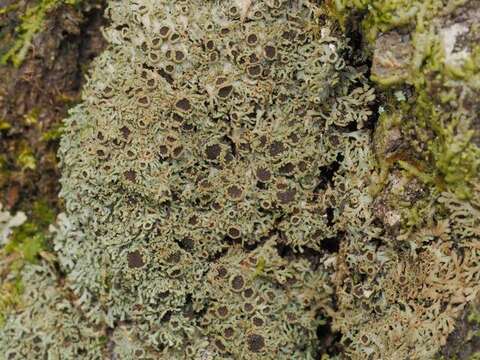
(32, 22)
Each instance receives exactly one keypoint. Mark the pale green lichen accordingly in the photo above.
(201, 149)
(221, 149)
(47, 323)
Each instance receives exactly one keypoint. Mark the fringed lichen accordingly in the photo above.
(205, 144)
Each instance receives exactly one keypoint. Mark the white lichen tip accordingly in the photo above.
(8, 222)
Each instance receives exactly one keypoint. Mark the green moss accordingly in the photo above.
(43, 213)
(415, 215)
(456, 158)
(31, 23)
(474, 316)
(415, 171)
(451, 156)
(29, 239)
(25, 243)
(426, 50)
(4, 125)
(31, 117)
(468, 70)
(26, 160)
(26, 240)
(53, 134)
(387, 81)
(384, 15)
(8, 9)
(381, 15)
(3, 163)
